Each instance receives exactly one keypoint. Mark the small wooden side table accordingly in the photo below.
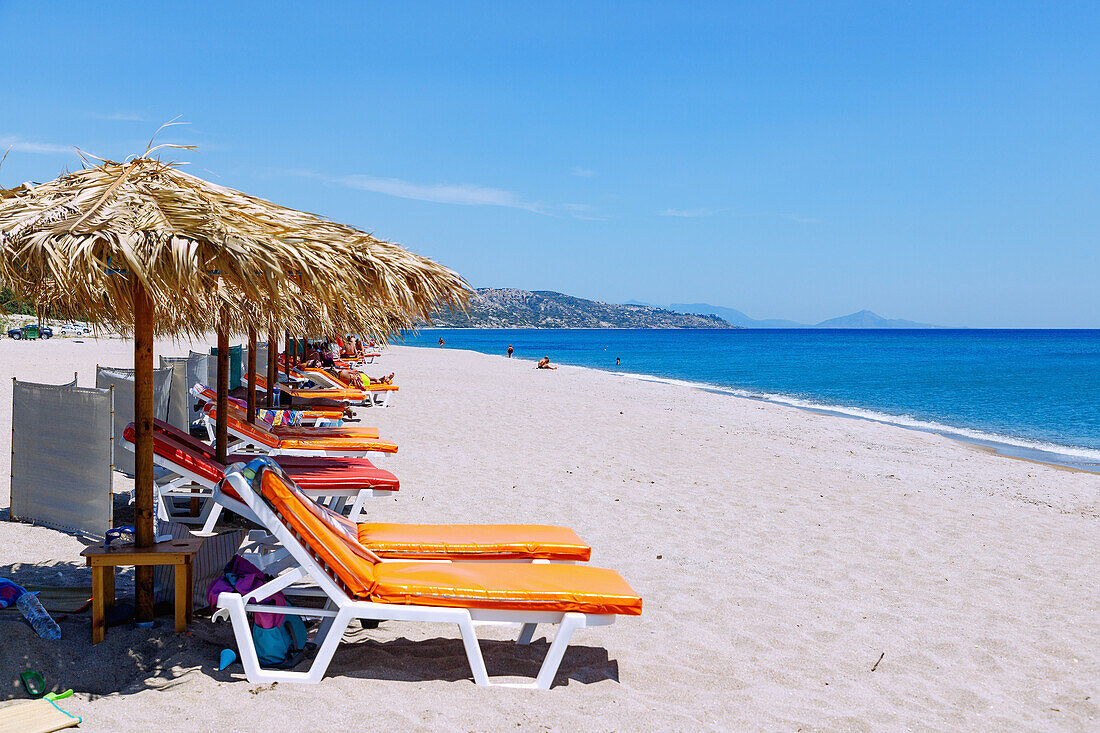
(104, 560)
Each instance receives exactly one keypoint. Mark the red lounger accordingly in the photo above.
(336, 482)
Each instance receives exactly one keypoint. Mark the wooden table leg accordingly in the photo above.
(98, 614)
(190, 589)
(108, 584)
(180, 573)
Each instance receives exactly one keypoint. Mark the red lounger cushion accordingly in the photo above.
(331, 473)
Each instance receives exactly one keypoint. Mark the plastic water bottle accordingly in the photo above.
(38, 617)
(276, 397)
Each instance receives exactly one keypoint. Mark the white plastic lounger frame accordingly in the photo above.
(341, 609)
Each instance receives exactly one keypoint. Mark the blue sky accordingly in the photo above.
(932, 161)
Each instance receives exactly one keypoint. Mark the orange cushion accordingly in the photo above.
(506, 586)
(332, 393)
(328, 535)
(473, 541)
(302, 431)
(337, 443)
(251, 430)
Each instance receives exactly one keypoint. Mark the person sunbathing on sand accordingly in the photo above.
(544, 363)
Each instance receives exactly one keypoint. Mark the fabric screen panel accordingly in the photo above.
(123, 381)
(235, 370)
(198, 371)
(179, 411)
(61, 457)
(205, 368)
(261, 362)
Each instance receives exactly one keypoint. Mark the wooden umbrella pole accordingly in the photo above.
(286, 354)
(272, 367)
(221, 427)
(251, 375)
(143, 445)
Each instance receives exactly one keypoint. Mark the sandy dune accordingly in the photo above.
(779, 552)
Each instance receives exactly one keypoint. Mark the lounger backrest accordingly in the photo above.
(203, 392)
(181, 455)
(330, 538)
(328, 376)
(247, 429)
(186, 439)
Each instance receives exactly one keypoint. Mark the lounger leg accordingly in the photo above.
(233, 603)
(357, 505)
(526, 634)
(333, 635)
(569, 623)
(326, 625)
(473, 652)
(213, 512)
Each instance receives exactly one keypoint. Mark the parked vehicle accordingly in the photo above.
(75, 329)
(30, 332)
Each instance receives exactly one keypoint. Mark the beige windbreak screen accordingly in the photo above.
(122, 380)
(61, 456)
(179, 411)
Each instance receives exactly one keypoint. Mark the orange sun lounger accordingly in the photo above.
(325, 548)
(248, 435)
(333, 413)
(301, 431)
(190, 472)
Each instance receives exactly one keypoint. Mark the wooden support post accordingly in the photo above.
(289, 354)
(221, 426)
(272, 367)
(143, 444)
(251, 404)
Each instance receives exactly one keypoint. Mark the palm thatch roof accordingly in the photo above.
(198, 247)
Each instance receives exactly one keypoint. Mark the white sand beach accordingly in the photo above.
(779, 554)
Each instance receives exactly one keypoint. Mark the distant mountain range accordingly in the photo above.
(511, 308)
(862, 319)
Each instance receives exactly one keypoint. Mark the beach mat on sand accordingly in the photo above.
(34, 716)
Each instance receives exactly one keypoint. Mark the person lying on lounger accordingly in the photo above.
(355, 378)
(544, 363)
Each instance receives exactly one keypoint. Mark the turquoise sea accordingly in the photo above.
(1028, 393)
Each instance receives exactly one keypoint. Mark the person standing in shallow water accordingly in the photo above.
(617, 360)
(509, 351)
(441, 342)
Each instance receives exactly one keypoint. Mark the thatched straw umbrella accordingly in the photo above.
(146, 248)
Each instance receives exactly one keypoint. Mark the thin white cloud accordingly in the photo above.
(20, 145)
(701, 212)
(122, 117)
(785, 217)
(584, 212)
(460, 194)
(581, 172)
(691, 213)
